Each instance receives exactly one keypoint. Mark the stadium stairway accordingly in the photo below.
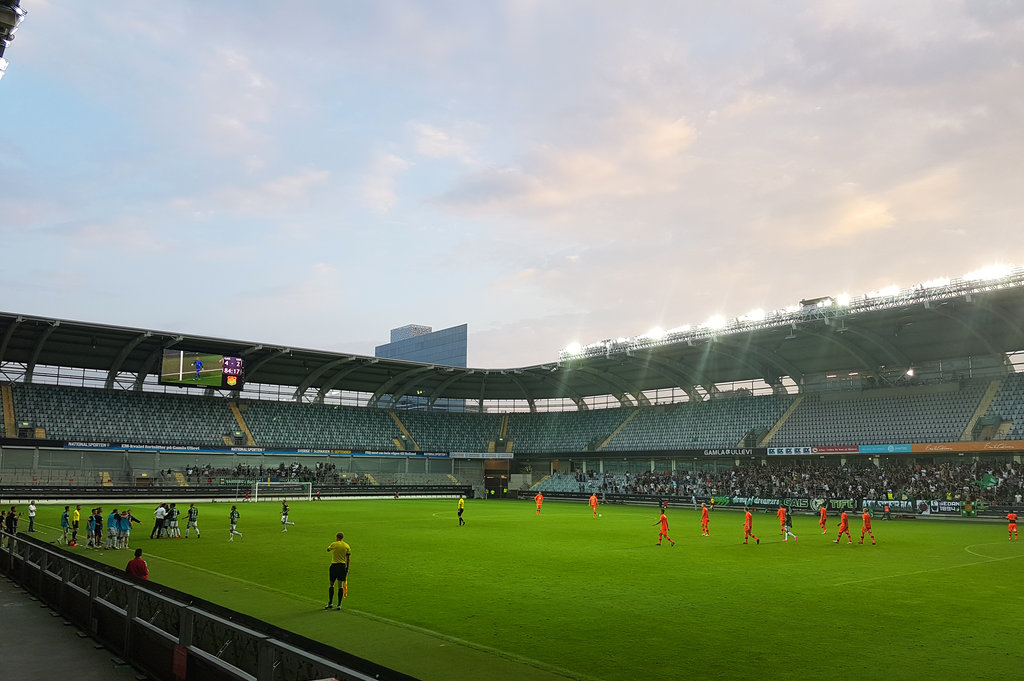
(405, 432)
(10, 426)
(371, 479)
(615, 432)
(180, 478)
(539, 482)
(986, 401)
(242, 425)
(782, 420)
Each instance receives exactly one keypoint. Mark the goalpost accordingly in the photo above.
(270, 491)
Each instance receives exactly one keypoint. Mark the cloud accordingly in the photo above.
(378, 189)
(434, 142)
(639, 154)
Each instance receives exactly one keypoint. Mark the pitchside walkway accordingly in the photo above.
(36, 645)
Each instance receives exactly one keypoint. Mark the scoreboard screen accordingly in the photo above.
(209, 370)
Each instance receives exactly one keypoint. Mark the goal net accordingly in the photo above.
(276, 491)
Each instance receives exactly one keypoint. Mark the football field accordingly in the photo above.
(513, 595)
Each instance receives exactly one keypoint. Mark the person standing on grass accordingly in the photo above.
(76, 517)
(284, 517)
(341, 559)
(663, 532)
(866, 527)
(137, 567)
(65, 525)
(748, 526)
(823, 518)
(1012, 527)
(462, 507)
(233, 520)
(844, 528)
(90, 527)
(704, 521)
(192, 520)
(32, 516)
(112, 529)
(98, 527)
(593, 503)
(158, 521)
(781, 515)
(788, 527)
(540, 501)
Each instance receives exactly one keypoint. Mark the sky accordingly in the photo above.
(314, 174)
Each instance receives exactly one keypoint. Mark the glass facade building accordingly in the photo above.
(416, 343)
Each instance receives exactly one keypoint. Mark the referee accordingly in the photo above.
(341, 557)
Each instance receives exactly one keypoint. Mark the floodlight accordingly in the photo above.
(990, 272)
(11, 16)
(716, 322)
(753, 316)
(657, 333)
(843, 300)
(685, 328)
(937, 283)
(910, 372)
(572, 348)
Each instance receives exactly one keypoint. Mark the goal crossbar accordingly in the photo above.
(275, 490)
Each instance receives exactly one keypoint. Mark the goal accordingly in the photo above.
(270, 491)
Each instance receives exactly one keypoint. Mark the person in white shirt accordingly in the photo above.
(32, 516)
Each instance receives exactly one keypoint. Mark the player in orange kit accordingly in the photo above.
(663, 532)
(781, 515)
(748, 527)
(1012, 517)
(704, 519)
(822, 517)
(865, 527)
(540, 501)
(593, 503)
(844, 527)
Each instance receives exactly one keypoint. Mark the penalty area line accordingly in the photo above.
(921, 572)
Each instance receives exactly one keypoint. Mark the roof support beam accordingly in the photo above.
(396, 380)
(122, 356)
(338, 377)
(8, 334)
(40, 342)
(679, 374)
(315, 375)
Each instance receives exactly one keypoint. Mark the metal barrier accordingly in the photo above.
(169, 634)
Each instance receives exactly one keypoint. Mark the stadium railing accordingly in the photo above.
(226, 491)
(170, 634)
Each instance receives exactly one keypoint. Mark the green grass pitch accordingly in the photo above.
(513, 595)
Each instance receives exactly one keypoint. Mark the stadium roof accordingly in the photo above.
(883, 340)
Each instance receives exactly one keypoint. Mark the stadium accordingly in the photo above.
(906, 403)
(210, 470)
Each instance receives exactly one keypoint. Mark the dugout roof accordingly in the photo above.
(885, 340)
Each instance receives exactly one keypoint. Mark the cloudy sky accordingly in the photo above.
(316, 173)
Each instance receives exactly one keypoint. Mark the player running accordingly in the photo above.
(822, 519)
(748, 527)
(781, 515)
(704, 520)
(844, 528)
(284, 517)
(540, 501)
(787, 527)
(663, 532)
(192, 520)
(865, 527)
(593, 503)
(233, 519)
(1012, 527)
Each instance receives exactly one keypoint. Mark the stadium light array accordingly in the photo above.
(828, 307)
(11, 16)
